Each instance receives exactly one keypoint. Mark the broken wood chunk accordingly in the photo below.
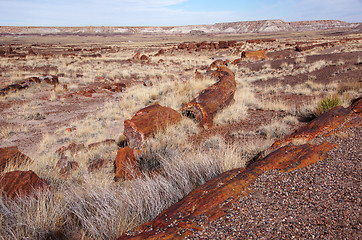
(21, 183)
(254, 54)
(212, 99)
(126, 164)
(147, 122)
(13, 157)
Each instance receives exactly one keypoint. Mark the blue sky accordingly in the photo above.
(170, 12)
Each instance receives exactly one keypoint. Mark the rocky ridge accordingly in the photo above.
(265, 26)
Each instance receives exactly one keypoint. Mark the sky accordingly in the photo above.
(171, 12)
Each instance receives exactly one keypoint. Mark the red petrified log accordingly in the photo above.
(254, 54)
(21, 183)
(357, 106)
(12, 156)
(204, 107)
(27, 83)
(126, 165)
(223, 44)
(147, 122)
(334, 120)
(218, 63)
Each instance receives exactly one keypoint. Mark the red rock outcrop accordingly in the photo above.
(223, 44)
(212, 199)
(198, 75)
(160, 52)
(21, 183)
(65, 167)
(214, 98)
(13, 157)
(72, 148)
(96, 165)
(147, 122)
(144, 58)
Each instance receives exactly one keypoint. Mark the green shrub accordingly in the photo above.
(326, 104)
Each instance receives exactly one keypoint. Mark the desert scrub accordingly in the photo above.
(274, 130)
(326, 104)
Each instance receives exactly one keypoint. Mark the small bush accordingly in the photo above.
(326, 104)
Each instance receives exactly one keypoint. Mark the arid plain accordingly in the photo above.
(65, 97)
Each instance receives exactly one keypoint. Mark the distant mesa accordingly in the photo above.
(265, 26)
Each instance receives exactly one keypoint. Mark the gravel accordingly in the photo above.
(321, 201)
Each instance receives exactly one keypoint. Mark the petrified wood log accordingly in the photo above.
(254, 54)
(12, 156)
(147, 122)
(126, 165)
(214, 98)
(356, 106)
(27, 83)
(336, 119)
(309, 47)
(22, 183)
(213, 198)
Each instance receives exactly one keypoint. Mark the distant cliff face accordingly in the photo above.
(266, 26)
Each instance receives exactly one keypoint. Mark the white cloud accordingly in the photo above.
(294, 10)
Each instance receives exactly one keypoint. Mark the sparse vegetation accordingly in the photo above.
(326, 104)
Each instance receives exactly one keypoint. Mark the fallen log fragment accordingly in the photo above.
(212, 99)
(126, 165)
(254, 54)
(147, 122)
(21, 183)
(53, 80)
(13, 157)
(309, 47)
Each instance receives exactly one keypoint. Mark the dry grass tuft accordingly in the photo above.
(274, 130)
